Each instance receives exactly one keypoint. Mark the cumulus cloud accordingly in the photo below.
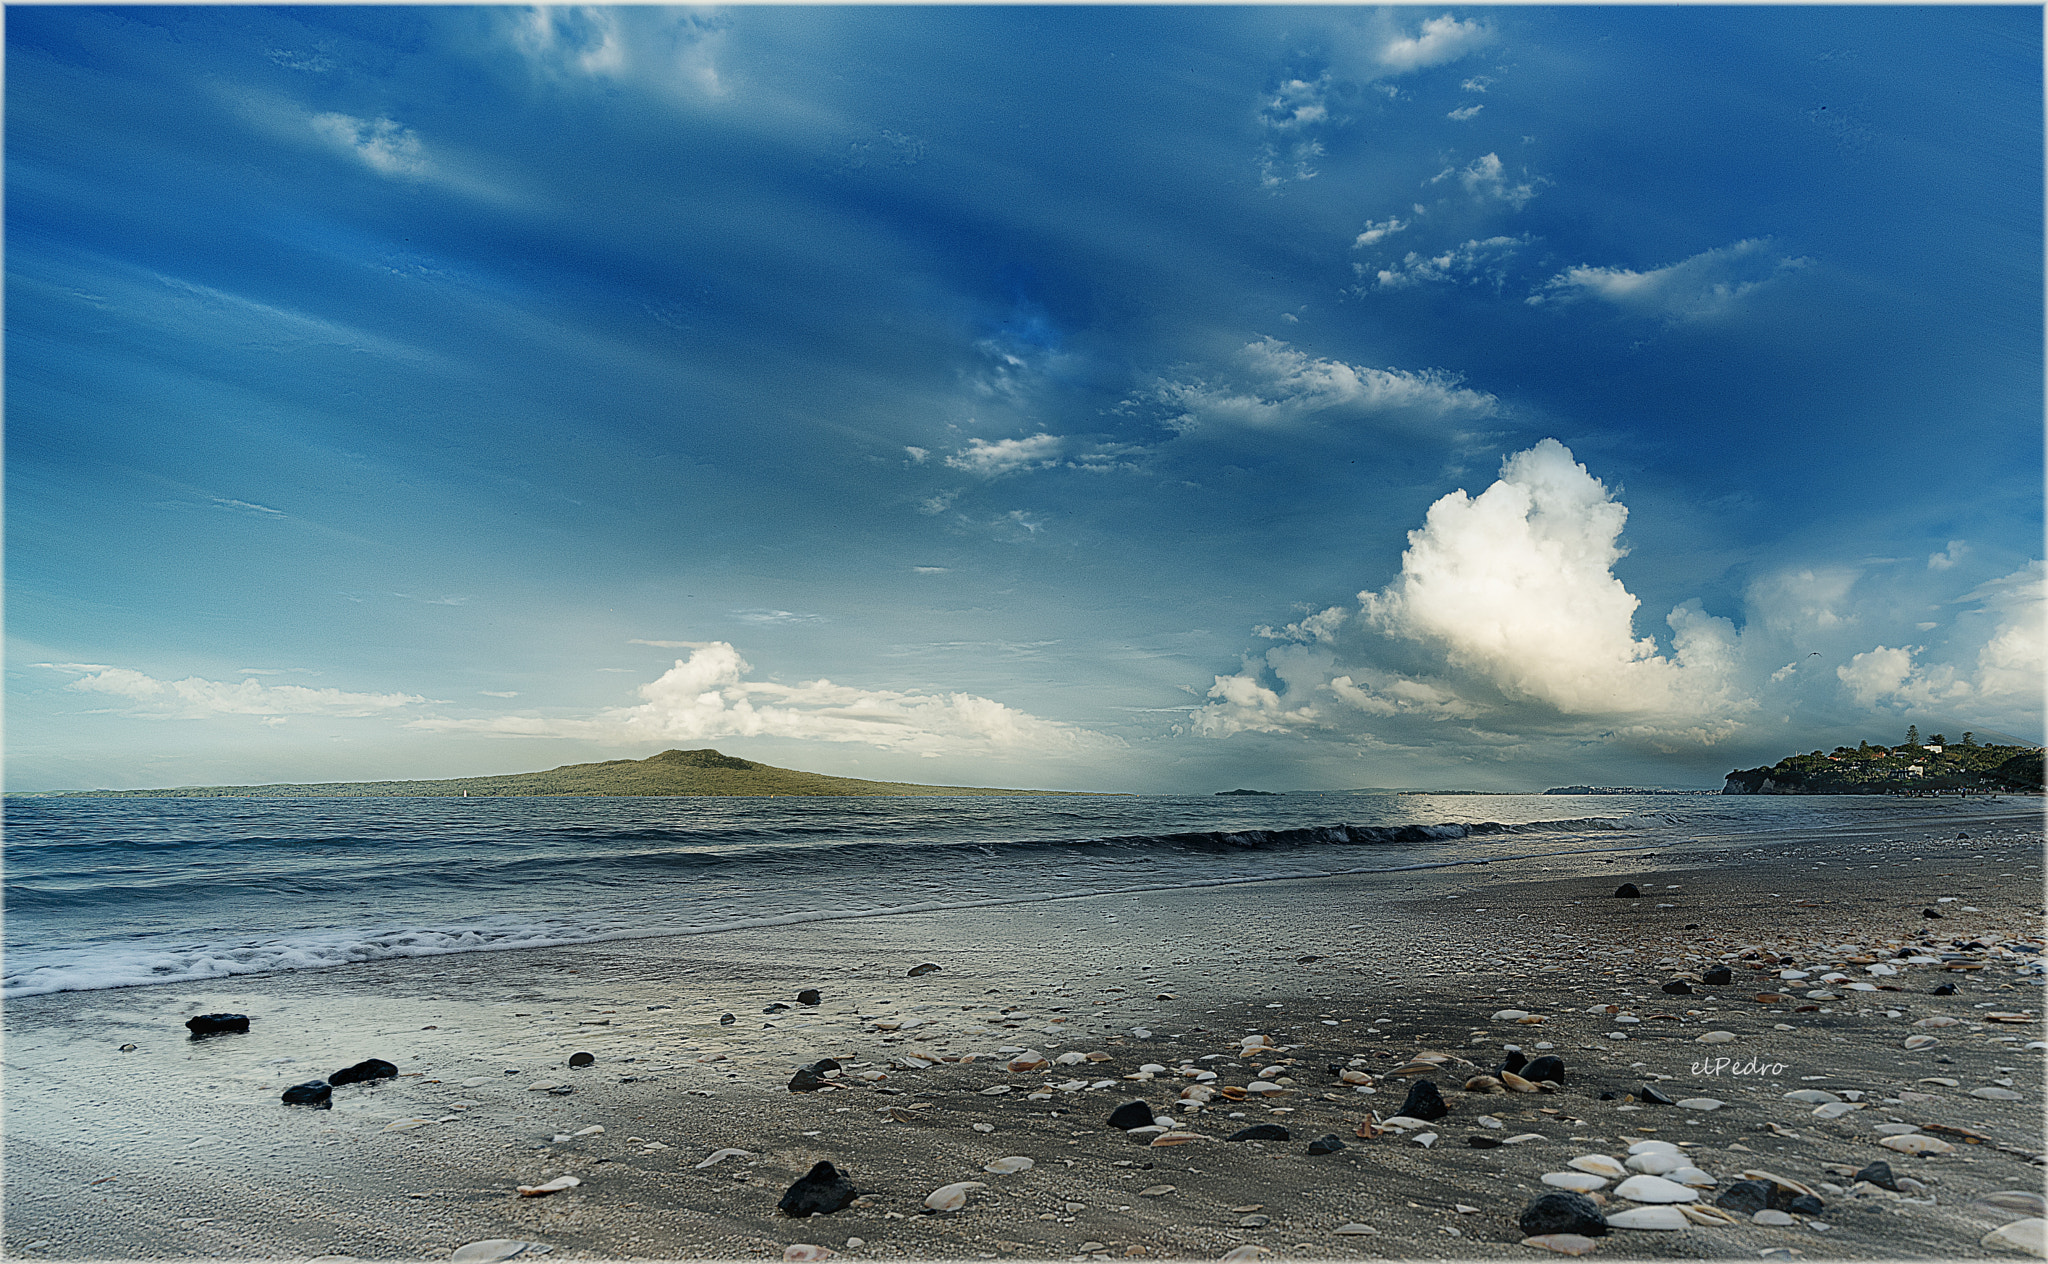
(1273, 386)
(198, 698)
(708, 696)
(1378, 231)
(1486, 178)
(1464, 112)
(1296, 104)
(1947, 558)
(675, 50)
(2004, 682)
(1440, 39)
(1474, 261)
(1707, 285)
(384, 146)
(1008, 456)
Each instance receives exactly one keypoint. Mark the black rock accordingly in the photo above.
(1328, 1143)
(1692, 925)
(363, 1072)
(217, 1024)
(1548, 1067)
(1563, 1213)
(1946, 989)
(1929, 913)
(582, 1059)
(1131, 1115)
(823, 1065)
(1649, 1096)
(1483, 1142)
(809, 996)
(726, 1020)
(315, 1093)
(1747, 1197)
(1261, 1132)
(1628, 891)
(923, 968)
(819, 1192)
(1880, 1175)
(1678, 987)
(1606, 1097)
(1424, 1102)
(775, 1008)
(806, 1081)
(1514, 1062)
(1719, 976)
(1806, 1205)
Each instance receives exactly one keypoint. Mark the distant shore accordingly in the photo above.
(179, 1149)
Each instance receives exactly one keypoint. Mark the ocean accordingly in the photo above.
(103, 893)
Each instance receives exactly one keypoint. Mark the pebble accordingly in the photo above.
(1261, 1132)
(1010, 1163)
(1995, 1094)
(952, 1197)
(807, 1251)
(1700, 1103)
(1424, 1102)
(555, 1186)
(1770, 1217)
(1649, 1218)
(2030, 1236)
(1717, 1038)
(1562, 1243)
(582, 1059)
(1156, 1191)
(1653, 1189)
(819, 1192)
(492, 1250)
(363, 1072)
(1328, 1143)
(924, 967)
(1131, 1115)
(216, 1024)
(1745, 1197)
(1562, 1213)
(314, 1093)
(1878, 1174)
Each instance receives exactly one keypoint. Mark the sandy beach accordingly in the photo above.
(180, 1148)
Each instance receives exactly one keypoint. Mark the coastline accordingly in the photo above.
(180, 1149)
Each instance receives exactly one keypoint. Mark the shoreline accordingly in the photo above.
(195, 1158)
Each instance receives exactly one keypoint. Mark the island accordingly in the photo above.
(1914, 768)
(672, 772)
(1223, 793)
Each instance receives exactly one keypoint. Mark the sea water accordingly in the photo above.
(118, 892)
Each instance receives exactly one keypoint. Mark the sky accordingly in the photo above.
(1148, 399)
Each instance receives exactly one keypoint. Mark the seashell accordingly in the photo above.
(1517, 1084)
(1597, 1164)
(1653, 1147)
(1772, 1178)
(1835, 1110)
(1485, 1084)
(1767, 1216)
(1717, 1038)
(1577, 1182)
(1246, 1252)
(1812, 1096)
(1702, 1214)
(1402, 1123)
(555, 1186)
(1176, 1138)
(1649, 1217)
(1156, 1191)
(1938, 1020)
(1915, 1143)
(952, 1197)
(1264, 1087)
(2005, 1016)
(1356, 1230)
(1654, 1189)
(1692, 1177)
(1021, 1064)
(1509, 1015)
(1230, 1093)
(1070, 1058)
(1988, 1094)
(1200, 1094)
(1099, 1056)
(2025, 1202)
(1859, 987)
(1153, 1068)
(490, 1251)
(1424, 1139)
(1700, 1103)
(1562, 1243)
(1655, 1162)
(1895, 1130)
(1354, 1077)
(1921, 1042)
(1522, 1137)
(2029, 1235)
(799, 1251)
(1943, 1080)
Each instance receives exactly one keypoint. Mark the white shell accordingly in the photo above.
(1649, 1218)
(1654, 1189)
(1656, 1162)
(1701, 1103)
(1860, 987)
(2029, 1235)
(1598, 1165)
(1770, 1217)
(1835, 1110)
(1988, 1094)
(1717, 1038)
(555, 1186)
(1921, 1042)
(1578, 1182)
(951, 1197)
(1008, 1164)
(1814, 1096)
(1938, 1020)
(1264, 1086)
(488, 1251)
(1691, 1177)
(1509, 1015)
(1914, 1143)
(1896, 1130)
(1653, 1147)
(720, 1156)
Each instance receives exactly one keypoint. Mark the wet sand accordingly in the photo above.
(181, 1149)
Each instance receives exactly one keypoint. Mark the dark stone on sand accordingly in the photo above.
(726, 1020)
(923, 968)
(1806, 1205)
(1131, 1115)
(1424, 1101)
(1483, 1143)
(1261, 1132)
(582, 1059)
(1606, 1097)
(1929, 913)
(1946, 989)
(809, 996)
(1514, 1062)
(819, 1192)
(1649, 1096)
(1549, 1067)
(775, 1008)
(363, 1072)
(1880, 1175)
(1628, 891)
(217, 1024)
(315, 1093)
(1678, 987)
(823, 1065)
(1719, 976)
(1328, 1143)
(1747, 1197)
(806, 1081)
(1563, 1213)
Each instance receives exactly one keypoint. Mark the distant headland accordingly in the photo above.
(1935, 766)
(672, 772)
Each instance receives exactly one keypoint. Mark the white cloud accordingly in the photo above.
(1277, 387)
(197, 698)
(1486, 178)
(1477, 83)
(933, 570)
(1377, 231)
(674, 50)
(1295, 162)
(1008, 456)
(707, 697)
(499, 693)
(2005, 683)
(1296, 104)
(671, 645)
(1706, 285)
(1464, 112)
(382, 145)
(1469, 262)
(1441, 39)
(775, 617)
(1944, 560)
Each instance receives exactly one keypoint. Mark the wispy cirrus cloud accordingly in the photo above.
(1008, 456)
(1270, 385)
(1706, 285)
(1470, 262)
(195, 697)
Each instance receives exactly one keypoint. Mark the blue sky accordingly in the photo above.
(1155, 399)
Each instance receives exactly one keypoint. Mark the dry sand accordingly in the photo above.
(180, 1148)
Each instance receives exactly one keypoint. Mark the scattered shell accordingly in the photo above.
(720, 1156)
(1521, 1137)
(1246, 1252)
(555, 1186)
(1485, 1084)
(1702, 1214)
(1355, 1230)
(1562, 1243)
(1938, 1020)
(1649, 1217)
(2030, 1236)
(952, 1197)
(1597, 1164)
(1155, 1191)
(1914, 1143)
(807, 1251)
(1517, 1084)
(1700, 1103)
(492, 1250)
(1577, 1182)
(1920, 1042)
(1895, 1130)
(1509, 1015)
(1653, 1147)
(1835, 1110)
(407, 1125)
(1176, 1138)
(1424, 1139)
(997, 1091)
(1942, 1080)
(1692, 1177)
(1769, 1217)
(1814, 1096)
(1655, 1162)
(1988, 1094)
(1010, 1163)
(1654, 1189)
(1264, 1086)
(1717, 1038)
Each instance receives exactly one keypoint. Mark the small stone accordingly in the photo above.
(1649, 1218)
(363, 1072)
(2030, 1236)
(1261, 1132)
(1254, 1222)
(2025, 1202)
(924, 967)
(1562, 1243)
(1562, 1212)
(129, 1048)
(1946, 989)
(1768, 1216)
(1628, 891)
(1745, 1197)
(582, 1059)
(1548, 1067)
(806, 1081)
(1328, 1143)
(1678, 987)
(555, 1186)
(1995, 1094)
(726, 1020)
(1155, 1191)
(315, 1093)
(1719, 976)
(1878, 1174)
(216, 1024)
(819, 1192)
(1424, 1101)
(1921, 1042)
(809, 996)
(1806, 1205)
(1483, 1142)
(803, 1251)
(1131, 1115)
(1651, 1096)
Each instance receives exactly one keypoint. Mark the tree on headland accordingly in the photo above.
(1969, 739)
(1912, 735)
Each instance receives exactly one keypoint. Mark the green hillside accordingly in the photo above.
(673, 772)
(1933, 767)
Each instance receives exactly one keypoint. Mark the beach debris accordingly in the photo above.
(2025, 1202)
(1562, 1243)
(1812, 1096)
(1628, 891)
(1548, 1068)
(316, 1093)
(1701, 1214)
(1156, 1191)
(1921, 1042)
(1261, 1132)
(924, 967)
(1653, 1189)
(1577, 1182)
(1878, 1174)
(1598, 1165)
(2029, 1235)
(1717, 1038)
(719, 1156)
(1562, 1212)
(819, 1192)
(1175, 1137)
(1245, 1252)
(1485, 1084)
(1914, 1143)
(216, 1024)
(1772, 1216)
(492, 1250)
(1654, 1162)
(1254, 1222)
(582, 1059)
(1938, 1020)
(1010, 1163)
(1131, 1115)
(1652, 1147)
(726, 1020)
(1678, 987)
(130, 1048)
(1835, 1110)
(806, 1081)
(1649, 1218)
(1328, 1143)
(555, 1186)
(1745, 1196)
(798, 1251)
(1651, 1096)
(1424, 1102)
(1719, 976)
(1995, 1094)
(1355, 1230)
(1700, 1103)
(809, 996)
